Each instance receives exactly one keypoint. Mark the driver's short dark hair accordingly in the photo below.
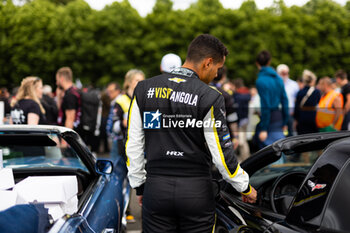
(205, 46)
(263, 58)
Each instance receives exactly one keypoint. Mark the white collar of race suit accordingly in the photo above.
(185, 72)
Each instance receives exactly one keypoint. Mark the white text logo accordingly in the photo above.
(175, 153)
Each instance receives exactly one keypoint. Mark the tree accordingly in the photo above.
(40, 36)
(163, 6)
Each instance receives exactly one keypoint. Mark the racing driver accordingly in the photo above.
(177, 123)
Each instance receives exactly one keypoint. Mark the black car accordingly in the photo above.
(302, 184)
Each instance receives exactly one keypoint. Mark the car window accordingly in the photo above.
(39, 151)
(337, 213)
(282, 179)
(288, 162)
(313, 195)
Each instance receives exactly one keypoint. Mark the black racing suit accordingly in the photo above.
(177, 124)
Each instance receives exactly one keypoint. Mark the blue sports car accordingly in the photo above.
(103, 191)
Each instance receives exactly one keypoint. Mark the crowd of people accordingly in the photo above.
(277, 106)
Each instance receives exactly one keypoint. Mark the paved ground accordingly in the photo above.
(136, 211)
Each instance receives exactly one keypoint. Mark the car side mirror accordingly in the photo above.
(104, 167)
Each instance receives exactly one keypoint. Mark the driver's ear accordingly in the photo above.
(207, 62)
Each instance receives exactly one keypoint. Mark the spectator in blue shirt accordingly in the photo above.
(273, 119)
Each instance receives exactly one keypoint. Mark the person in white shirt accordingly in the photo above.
(292, 89)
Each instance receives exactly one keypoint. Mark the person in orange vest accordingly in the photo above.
(329, 116)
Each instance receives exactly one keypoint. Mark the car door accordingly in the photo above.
(322, 203)
(102, 204)
(337, 211)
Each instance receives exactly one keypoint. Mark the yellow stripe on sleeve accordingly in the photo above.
(220, 149)
(127, 141)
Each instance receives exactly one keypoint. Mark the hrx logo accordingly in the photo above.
(175, 153)
(151, 120)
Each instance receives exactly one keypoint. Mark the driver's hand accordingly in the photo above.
(250, 198)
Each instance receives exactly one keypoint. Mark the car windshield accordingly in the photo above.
(38, 151)
(290, 161)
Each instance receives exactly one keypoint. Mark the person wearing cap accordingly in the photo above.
(169, 62)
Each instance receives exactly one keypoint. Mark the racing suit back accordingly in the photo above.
(178, 124)
(177, 148)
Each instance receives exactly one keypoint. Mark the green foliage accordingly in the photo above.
(162, 6)
(101, 46)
